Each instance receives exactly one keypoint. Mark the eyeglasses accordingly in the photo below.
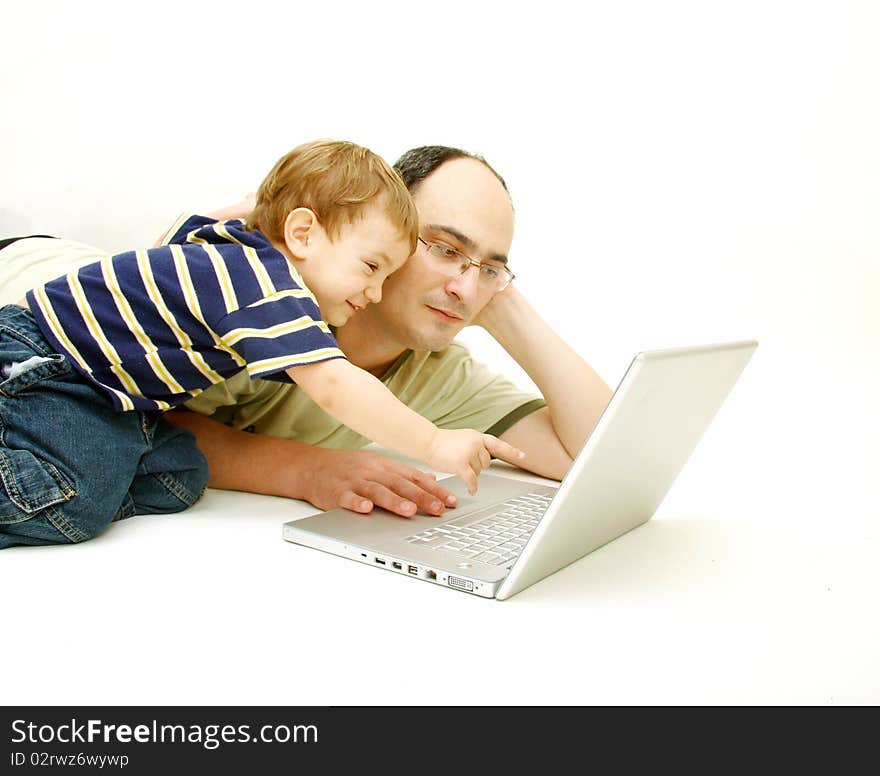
(492, 277)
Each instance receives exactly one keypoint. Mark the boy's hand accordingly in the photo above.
(466, 453)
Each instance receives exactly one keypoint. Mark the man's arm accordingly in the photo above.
(534, 434)
(353, 479)
(238, 210)
(576, 396)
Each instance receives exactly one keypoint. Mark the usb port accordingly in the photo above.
(379, 561)
(397, 566)
(412, 569)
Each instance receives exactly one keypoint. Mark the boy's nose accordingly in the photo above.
(374, 294)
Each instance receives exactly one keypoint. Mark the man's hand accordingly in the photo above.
(492, 314)
(353, 479)
(360, 479)
(466, 453)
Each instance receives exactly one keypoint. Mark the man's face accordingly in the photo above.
(464, 206)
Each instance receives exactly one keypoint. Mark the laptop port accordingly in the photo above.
(397, 566)
(412, 569)
(430, 574)
(379, 561)
(461, 584)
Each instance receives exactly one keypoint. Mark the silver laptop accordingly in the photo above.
(512, 533)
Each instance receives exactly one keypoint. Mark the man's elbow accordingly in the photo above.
(553, 467)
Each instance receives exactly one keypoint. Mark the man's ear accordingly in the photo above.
(299, 226)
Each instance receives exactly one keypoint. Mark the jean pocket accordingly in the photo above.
(30, 484)
(48, 368)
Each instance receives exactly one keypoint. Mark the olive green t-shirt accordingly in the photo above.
(447, 387)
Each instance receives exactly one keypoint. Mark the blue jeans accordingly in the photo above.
(70, 464)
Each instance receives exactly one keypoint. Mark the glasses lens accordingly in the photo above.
(447, 258)
(492, 277)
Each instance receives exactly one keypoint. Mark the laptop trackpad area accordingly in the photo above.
(380, 525)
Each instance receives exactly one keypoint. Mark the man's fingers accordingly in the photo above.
(398, 487)
(417, 475)
(501, 449)
(401, 496)
(424, 491)
(421, 487)
(429, 483)
(362, 480)
(351, 500)
(428, 497)
(387, 498)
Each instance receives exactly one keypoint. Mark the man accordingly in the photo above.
(464, 205)
(466, 219)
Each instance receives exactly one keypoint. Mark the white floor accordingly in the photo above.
(756, 583)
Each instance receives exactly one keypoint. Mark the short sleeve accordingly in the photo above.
(453, 390)
(224, 401)
(283, 330)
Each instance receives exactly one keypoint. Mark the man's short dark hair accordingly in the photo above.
(418, 163)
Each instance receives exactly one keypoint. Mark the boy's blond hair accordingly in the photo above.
(336, 180)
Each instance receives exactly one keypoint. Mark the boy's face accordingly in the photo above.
(346, 273)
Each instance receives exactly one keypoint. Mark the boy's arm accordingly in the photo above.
(353, 479)
(364, 404)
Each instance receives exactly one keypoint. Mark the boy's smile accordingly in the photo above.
(346, 273)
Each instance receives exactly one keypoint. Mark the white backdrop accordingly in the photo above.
(682, 172)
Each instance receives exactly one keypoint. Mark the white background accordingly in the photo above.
(682, 172)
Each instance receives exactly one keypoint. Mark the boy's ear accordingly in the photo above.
(299, 225)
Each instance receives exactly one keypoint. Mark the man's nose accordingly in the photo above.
(465, 286)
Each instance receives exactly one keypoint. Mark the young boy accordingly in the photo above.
(89, 361)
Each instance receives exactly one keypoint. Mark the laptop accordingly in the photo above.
(513, 533)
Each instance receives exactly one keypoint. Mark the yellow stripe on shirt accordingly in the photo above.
(59, 333)
(295, 293)
(220, 228)
(263, 278)
(273, 332)
(221, 272)
(260, 272)
(192, 301)
(181, 220)
(279, 363)
(186, 344)
(134, 326)
(223, 278)
(88, 316)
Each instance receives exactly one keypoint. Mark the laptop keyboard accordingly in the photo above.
(497, 540)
